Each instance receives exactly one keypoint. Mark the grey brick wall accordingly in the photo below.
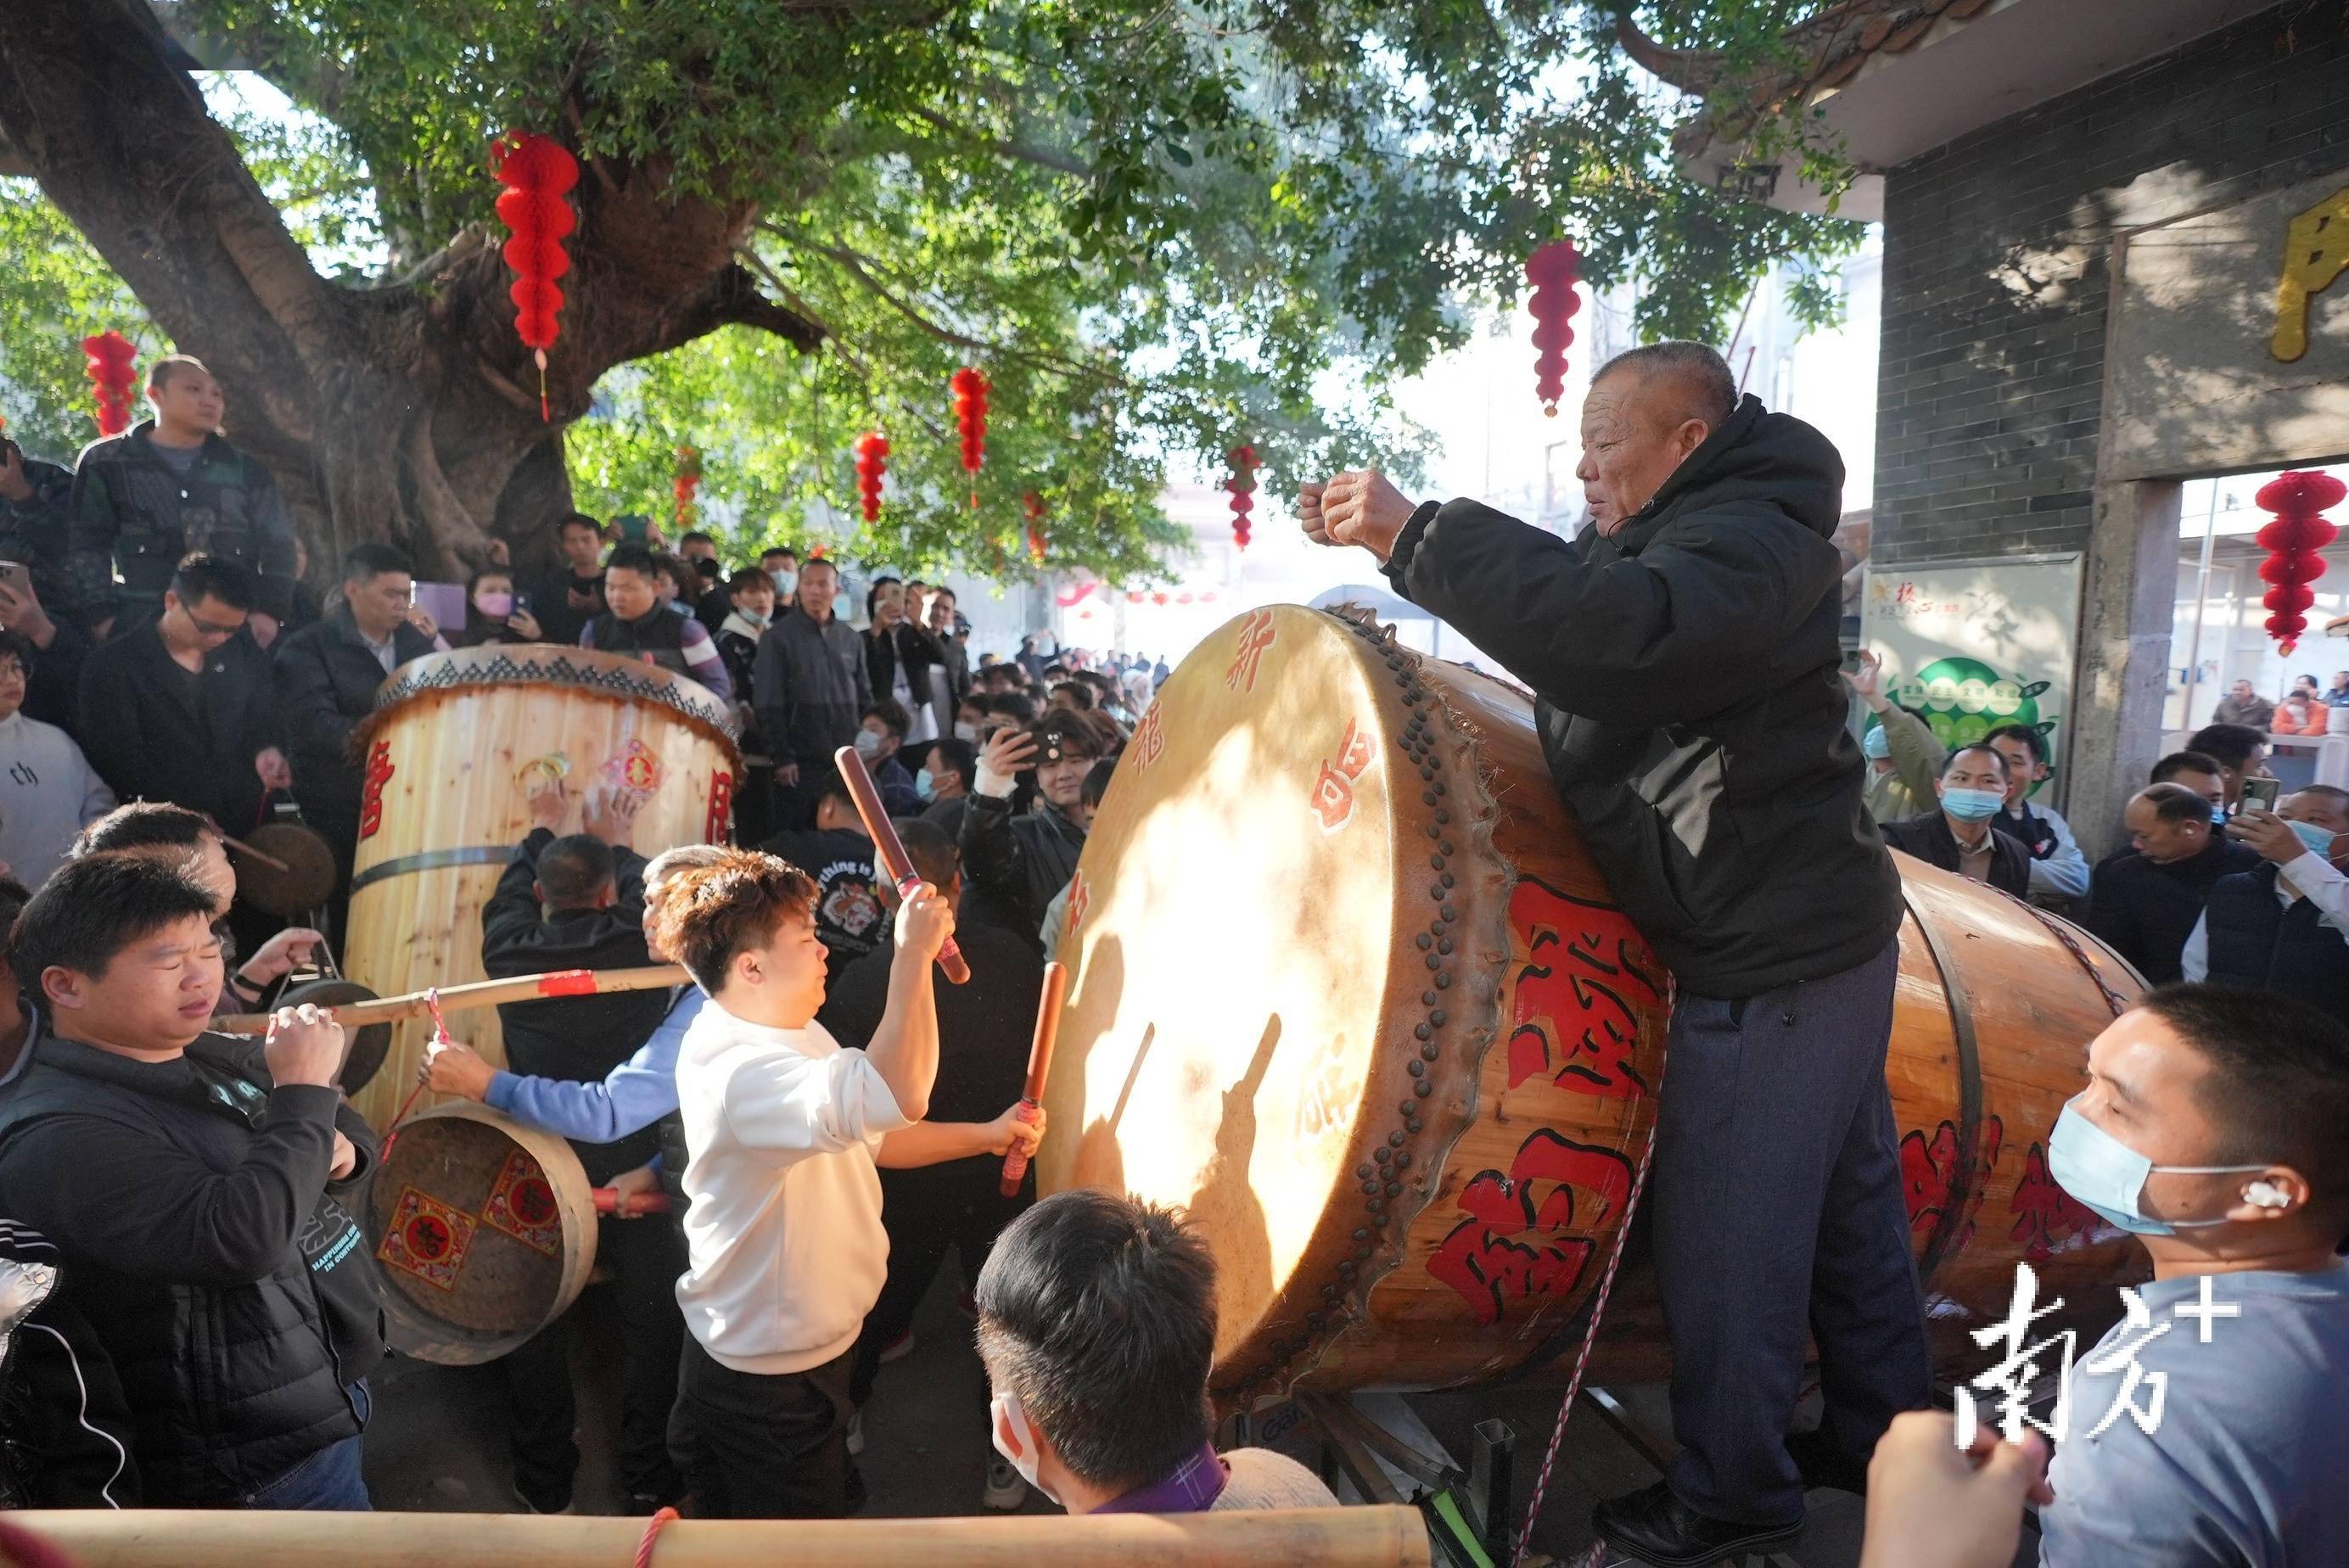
(1996, 270)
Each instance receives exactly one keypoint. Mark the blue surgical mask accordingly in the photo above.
(2318, 840)
(1972, 805)
(2108, 1176)
(2217, 816)
(926, 785)
(1876, 746)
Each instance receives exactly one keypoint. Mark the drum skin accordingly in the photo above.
(452, 750)
(483, 1232)
(1347, 985)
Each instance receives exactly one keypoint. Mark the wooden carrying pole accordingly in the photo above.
(1386, 1537)
(480, 994)
(889, 849)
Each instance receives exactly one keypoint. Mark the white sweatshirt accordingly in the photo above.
(48, 792)
(787, 1249)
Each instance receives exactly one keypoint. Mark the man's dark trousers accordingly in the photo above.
(1779, 1208)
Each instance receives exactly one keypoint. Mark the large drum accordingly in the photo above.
(452, 750)
(483, 1231)
(1347, 985)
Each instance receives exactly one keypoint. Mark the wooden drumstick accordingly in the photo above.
(889, 849)
(478, 994)
(1039, 1067)
(242, 848)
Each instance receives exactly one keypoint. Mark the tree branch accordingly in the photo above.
(1018, 151)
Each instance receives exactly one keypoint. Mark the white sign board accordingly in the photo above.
(1973, 645)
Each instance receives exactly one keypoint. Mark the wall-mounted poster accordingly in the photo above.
(1973, 645)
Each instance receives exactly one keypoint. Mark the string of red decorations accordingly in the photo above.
(536, 172)
(1242, 484)
(2291, 542)
(1033, 505)
(1553, 269)
(688, 479)
(872, 462)
(113, 376)
(970, 417)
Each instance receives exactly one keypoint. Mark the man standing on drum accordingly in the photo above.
(1684, 657)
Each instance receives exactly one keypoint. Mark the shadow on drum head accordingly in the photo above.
(1226, 1205)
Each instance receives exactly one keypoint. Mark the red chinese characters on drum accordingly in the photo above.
(379, 774)
(2046, 1215)
(1334, 790)
(427, 1239)
(1928, 1176)
(1149, 742)
(1256, 633)
(1081, 899)
(1575, 1014)
(522, 1205)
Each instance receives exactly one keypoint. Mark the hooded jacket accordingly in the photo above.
(1686, 686)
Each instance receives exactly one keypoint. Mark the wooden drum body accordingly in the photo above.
(452, 750)
(483, 1231)
(1347, 985)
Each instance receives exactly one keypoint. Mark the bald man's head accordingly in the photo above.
(1648, 410)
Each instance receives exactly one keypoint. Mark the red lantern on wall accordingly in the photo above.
(536, 171)
(1242, 484)
(688, 479)
(1553, 269)
(1033, 505)
(872, 461)
(970, 417)
(113, 372)
(2292, 541)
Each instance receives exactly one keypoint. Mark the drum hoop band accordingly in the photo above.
(1946, 1228)
(444, 675)
(433, 860)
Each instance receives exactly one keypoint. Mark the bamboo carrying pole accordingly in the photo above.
(480, 994)
(162, 1538)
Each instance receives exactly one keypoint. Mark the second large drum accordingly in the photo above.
(453, 750)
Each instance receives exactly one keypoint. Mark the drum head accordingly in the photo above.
(364, 1049)
(1250, 910)
(306, 883)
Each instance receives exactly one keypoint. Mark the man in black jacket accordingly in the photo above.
(577, 901)
(184, 708)
(1958, 838)
(1684, 659)
(2146, 901)
(812, 683)
(195, 1188)
(2282, 925)
(905, 661)
(326, 681)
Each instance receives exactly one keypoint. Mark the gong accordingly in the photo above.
(307, 880)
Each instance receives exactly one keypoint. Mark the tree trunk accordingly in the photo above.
(406, 412)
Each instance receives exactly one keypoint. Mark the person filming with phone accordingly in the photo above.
(2282, 925)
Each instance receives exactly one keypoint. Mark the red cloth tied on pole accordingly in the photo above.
(688, 479)
(2292, 541)
(970, 417)
(1033, 505)
(536, 172)
(113, 378)
(1242, 484)
(1553, 269)
(872, 461)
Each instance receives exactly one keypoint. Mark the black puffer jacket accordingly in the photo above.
(1685, 673)
(190, 1203)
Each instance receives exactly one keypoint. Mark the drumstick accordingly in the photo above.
(889, 849)
(478, 994)
(1039, 1067)
(633, 1206)
(242, 848)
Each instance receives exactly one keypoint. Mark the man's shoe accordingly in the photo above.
(1656, 1527)
(1825, 1463)
(1005, 1491)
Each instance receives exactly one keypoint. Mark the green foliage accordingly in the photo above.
(55, 292)
(1161, 228)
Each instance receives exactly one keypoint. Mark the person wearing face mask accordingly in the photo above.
(2145, 902)
(1097, 1327)
(493, 614)
(1904, 757)
(949, 768)
(1958, 837)
(782, 566)
(2284, 924)
(880, 736)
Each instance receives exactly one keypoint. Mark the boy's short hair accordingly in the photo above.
(1011, 705)
(709, 915)
(578, 520)
(633, 558)
(2026, 733)
(91, 909)
(2230, 745)
(1099, 1312)
(747, 579)
(143, 825)
(2178, 762)
(199, 576)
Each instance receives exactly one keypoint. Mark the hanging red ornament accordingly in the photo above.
(1553, 269)
(113, 378)
(536, 171)
(1033, 505)
(970, 417)
(872, 454)
(1242, 484)
(688, 479)
(2292, 541)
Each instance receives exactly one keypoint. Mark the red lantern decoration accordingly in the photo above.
(970, 417)
(1242, 484)
(2293, 541)
(113, 376)
(871, 452)
(1033, 505)
(535, 171)
(688, 479)
(1553, 269)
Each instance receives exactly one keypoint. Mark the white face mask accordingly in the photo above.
(868, 744)
(1003, 1412)
(967, 733)
(786, 585)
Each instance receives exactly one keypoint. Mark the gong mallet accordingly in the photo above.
(890, 850)
(1039, 1067)
(478, 994)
